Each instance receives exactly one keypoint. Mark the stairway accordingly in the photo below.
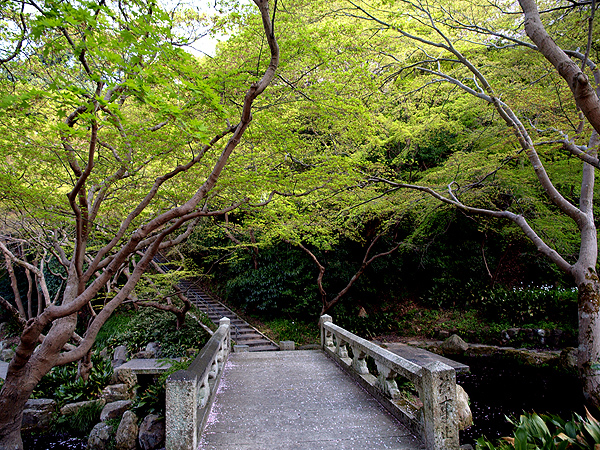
(242, 333)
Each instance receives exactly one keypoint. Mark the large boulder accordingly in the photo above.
(152, 432)
(127, 433)
(115, 409)
(464, 415)
(154, 349)
(454, 345)
(72, 408)
(99, 438)
(37, 414)
(116, 392)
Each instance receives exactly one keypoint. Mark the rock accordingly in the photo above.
(72, 408)
(454, 345)
(104, 353)
(152, 433)
(531, 358)
(100, 437)
(124, 376)
(362, 312)
(483, 350)
(153, 348)
(119, 356)
(191, 352)
(466, 447)
(568, 358)
(512, 332)
(127, 433)
(443, 334)
(464, 415)
(116, 392)
(7, 354)
(115, 409)
(38, 414)
(143, 355)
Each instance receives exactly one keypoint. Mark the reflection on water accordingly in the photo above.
(54, 442)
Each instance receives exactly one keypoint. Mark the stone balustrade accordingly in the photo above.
(189, 393)
(432, 416)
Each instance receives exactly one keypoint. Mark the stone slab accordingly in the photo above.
(3, 369)
(421, 356)
(152, 366)
(297, 400)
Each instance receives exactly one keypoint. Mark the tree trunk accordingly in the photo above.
(588, 360)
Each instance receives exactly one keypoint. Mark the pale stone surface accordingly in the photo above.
(3, 369)
(154, 349)
(7, 354)
(421, 356)
(127, 433)
(239, 348)
(465, 417)
(115, 409)
(99, 437)
(72, 408)
(37, 414)
(297, 400)
(152, 432)
(148, 366)
(287, 345)
(454, 344)
(116, 392)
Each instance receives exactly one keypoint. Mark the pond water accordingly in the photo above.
(53, 442)
(503, 387)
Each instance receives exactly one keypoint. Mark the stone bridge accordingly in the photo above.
(344, 396)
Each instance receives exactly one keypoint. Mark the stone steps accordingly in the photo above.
(242, 333)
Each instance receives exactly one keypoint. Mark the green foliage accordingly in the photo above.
(152, 325)
(369, 326)
(549, 432)
(151, 400)
(81, 422)
(283, 283)
(63, 385)
(521, 305)
(293, 330)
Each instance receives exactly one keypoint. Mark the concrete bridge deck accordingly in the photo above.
(298, 400)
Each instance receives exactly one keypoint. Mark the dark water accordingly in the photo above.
(503, 387)
(53, 442)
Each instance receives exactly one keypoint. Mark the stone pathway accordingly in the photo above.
(297, 400)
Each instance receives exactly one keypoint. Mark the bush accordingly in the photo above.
(63, 385)
(153, 325)
(549, 432)
(530, 305)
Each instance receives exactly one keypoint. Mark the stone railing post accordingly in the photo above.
(326, 337)
(439, 406)
(189, 393)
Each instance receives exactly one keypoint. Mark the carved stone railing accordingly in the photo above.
(190, 392)
(432, 416)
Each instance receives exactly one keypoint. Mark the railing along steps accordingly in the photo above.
(242, 333)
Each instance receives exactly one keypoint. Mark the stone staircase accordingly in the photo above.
(242, 333)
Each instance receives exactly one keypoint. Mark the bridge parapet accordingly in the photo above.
(432, 416)
(190, 392)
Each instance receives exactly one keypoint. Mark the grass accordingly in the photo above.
(302, 333)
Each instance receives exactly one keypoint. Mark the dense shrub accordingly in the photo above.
(549, 432)
(152, 325)
(63, 385)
